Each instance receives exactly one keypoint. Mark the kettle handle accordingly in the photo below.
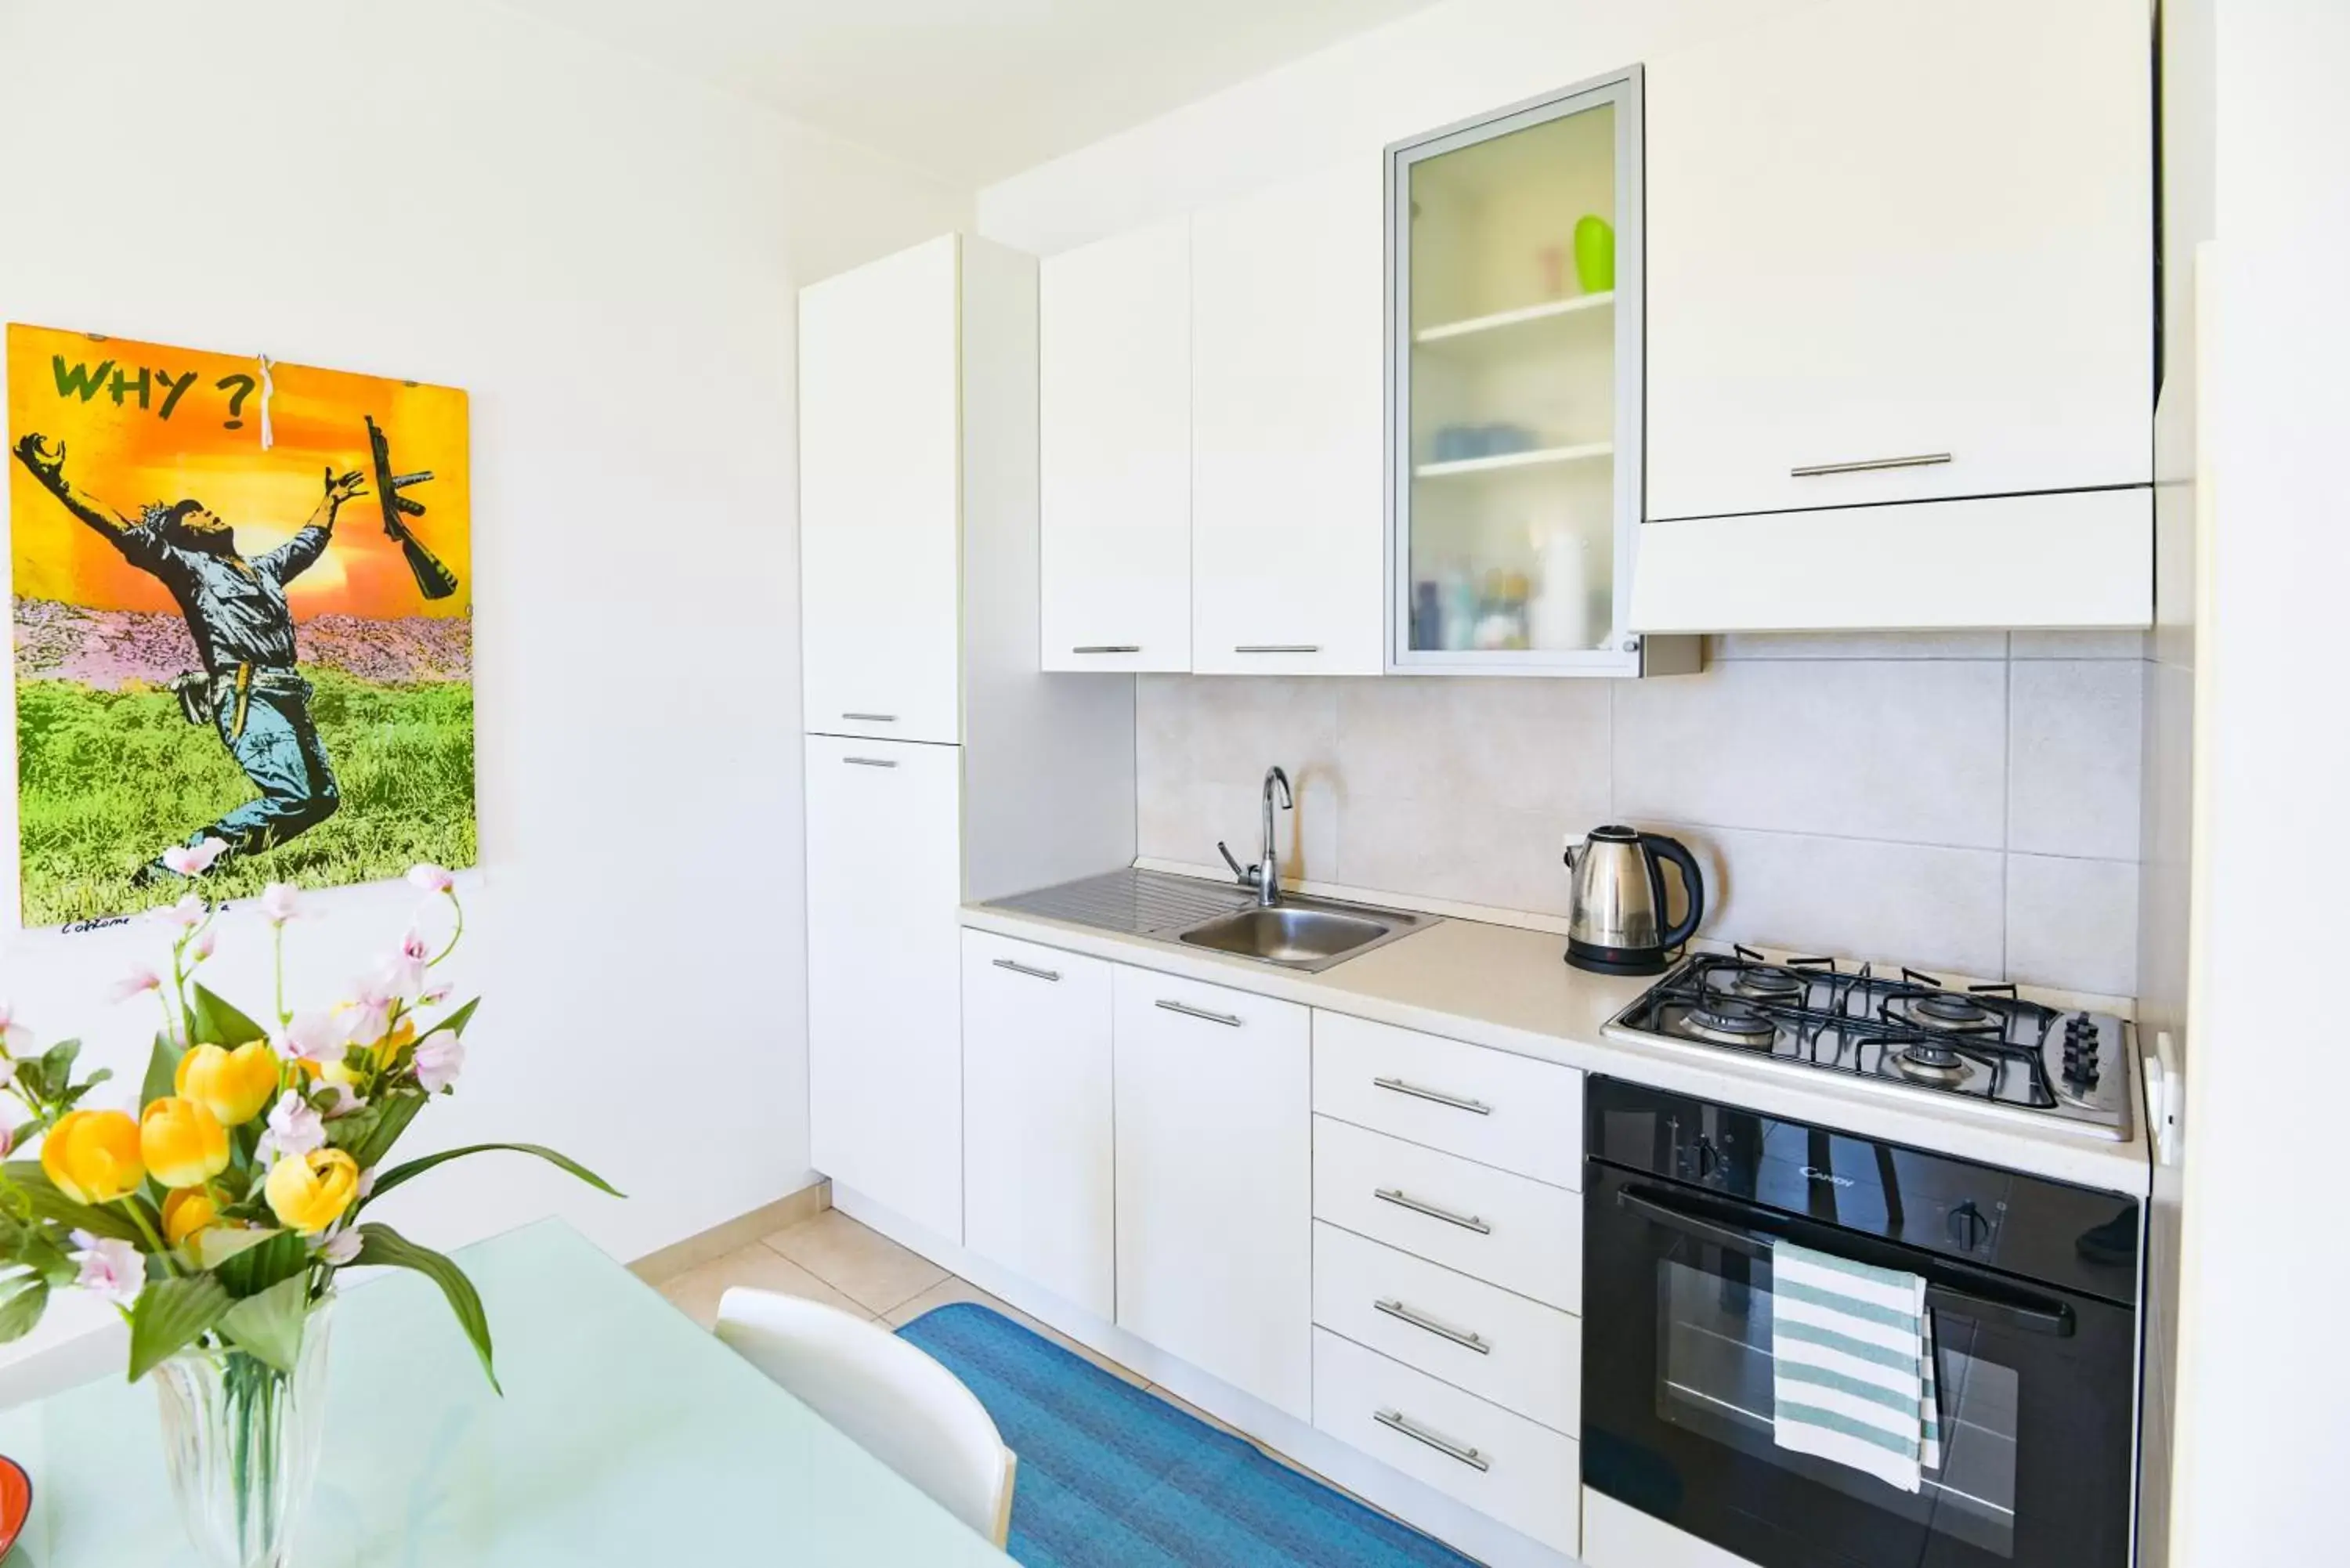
(1692, 883)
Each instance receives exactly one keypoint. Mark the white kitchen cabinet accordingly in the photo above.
(1899, 252)
(1214, 1182)
(1037, 1164)
(1116, 442)
(885, 1044)
(880, 484)
(1287, 418)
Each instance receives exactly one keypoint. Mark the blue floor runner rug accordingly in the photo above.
(1113, 1477)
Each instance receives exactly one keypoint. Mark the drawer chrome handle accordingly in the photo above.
(1278, 648)
(1030, 973)
(869, 762)
(1226, 1018)
(1396, 1421)
(871, 718)
(1870, 464)
(1402, 1200)
(1109, 648)
(1396, 1086)
(1460, 1336)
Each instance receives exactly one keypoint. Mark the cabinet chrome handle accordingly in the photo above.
(1278, 648)
(1870, 464)
(1226, 1018)
(1438, 1097)
(1461, 1336)
(1402, 1200)
(871, 718)
(1030, 973)
(1109, 648)
(1396, 1421)
(869, 762)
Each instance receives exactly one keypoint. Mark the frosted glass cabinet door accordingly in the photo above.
(1116, 450)
(1515, 339)
(1285, 428)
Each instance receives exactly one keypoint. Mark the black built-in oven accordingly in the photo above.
(2031, 1284)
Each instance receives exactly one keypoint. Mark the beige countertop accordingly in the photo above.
(1510, 990)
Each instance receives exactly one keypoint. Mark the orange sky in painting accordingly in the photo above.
(126, 457)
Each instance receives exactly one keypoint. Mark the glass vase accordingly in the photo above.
(241, 1442)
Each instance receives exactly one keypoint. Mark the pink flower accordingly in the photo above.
(194, 861)
(433, 997)
(113, 1269)
(187, 914)
(132, 985)
(342, 1248)
(294, 1128)
(14, 1038)
(440, 1057)
(309, 1037)
(367, 1183)
(430, 878)
(202, 948)
(7, 1138)
(280, 902)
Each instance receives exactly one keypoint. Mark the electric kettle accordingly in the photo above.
(1615, 911)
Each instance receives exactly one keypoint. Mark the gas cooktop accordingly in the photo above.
(1907, 1031)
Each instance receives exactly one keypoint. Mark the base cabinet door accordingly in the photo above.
(1214, 1182)
(885, 1029)
(1037, 1169)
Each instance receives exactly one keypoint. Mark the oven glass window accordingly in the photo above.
(1713, 1341)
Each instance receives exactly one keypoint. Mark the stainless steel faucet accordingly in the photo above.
(1265, 874)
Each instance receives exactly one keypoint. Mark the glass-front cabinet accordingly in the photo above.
(1514, 334)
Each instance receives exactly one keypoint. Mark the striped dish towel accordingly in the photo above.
(1852, 1354)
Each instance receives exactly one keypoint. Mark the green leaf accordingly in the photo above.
(21, 1311)
(400, 1173)
(280, 1255)
(383, 1247)
(57, 1061)
(162, 1070)
(367, 1135)
(222, 1242)
(455, 1022)
(172, 1315)
(49, 1203)
(269, 1326)
(216, 1023)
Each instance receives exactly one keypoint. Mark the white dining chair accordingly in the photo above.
(896, 1402)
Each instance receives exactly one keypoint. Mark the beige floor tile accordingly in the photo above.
(862, 1264)
(955, 1288)
(696, 1291)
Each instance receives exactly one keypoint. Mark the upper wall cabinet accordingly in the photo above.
(1901, 252)
(1286, 400)
(1515, 337)
(1117, 452)
(881, 489)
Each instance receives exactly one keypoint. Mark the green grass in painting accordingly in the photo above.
(107, 779)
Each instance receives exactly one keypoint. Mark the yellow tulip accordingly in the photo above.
(92, 1157)
(234, 1085)
(182, 1143)
(310, 1192)
(187, 1212)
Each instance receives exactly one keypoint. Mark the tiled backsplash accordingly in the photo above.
(1968, 800)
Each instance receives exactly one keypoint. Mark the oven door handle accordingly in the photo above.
(2032, 1314)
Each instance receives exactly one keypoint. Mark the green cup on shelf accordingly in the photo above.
(1595, 254)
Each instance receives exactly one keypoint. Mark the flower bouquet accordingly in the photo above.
(218, 1218)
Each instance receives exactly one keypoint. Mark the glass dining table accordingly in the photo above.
(626, 1435)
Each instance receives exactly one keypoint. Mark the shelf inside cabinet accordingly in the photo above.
(1534, 458)
(1549, 310)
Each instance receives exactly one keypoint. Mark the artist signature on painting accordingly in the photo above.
(76, 928)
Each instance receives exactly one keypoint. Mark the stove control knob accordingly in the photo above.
(1967, 1227)
(1705, 1160)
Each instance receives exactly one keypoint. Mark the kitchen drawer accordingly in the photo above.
(1487, 1105)
(1501, 1465)
(1506, 1230)
(1521, 1354)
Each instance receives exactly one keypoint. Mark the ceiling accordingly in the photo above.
(971, 90)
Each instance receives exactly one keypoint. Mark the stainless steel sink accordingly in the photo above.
(1301, 933)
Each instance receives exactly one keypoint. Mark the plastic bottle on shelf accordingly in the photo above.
(1458, 598)
(1559, 615)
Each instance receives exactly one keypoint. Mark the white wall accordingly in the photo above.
(2262, 1449)
(606, 256)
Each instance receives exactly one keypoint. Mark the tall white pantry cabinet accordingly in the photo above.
(941, 762)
